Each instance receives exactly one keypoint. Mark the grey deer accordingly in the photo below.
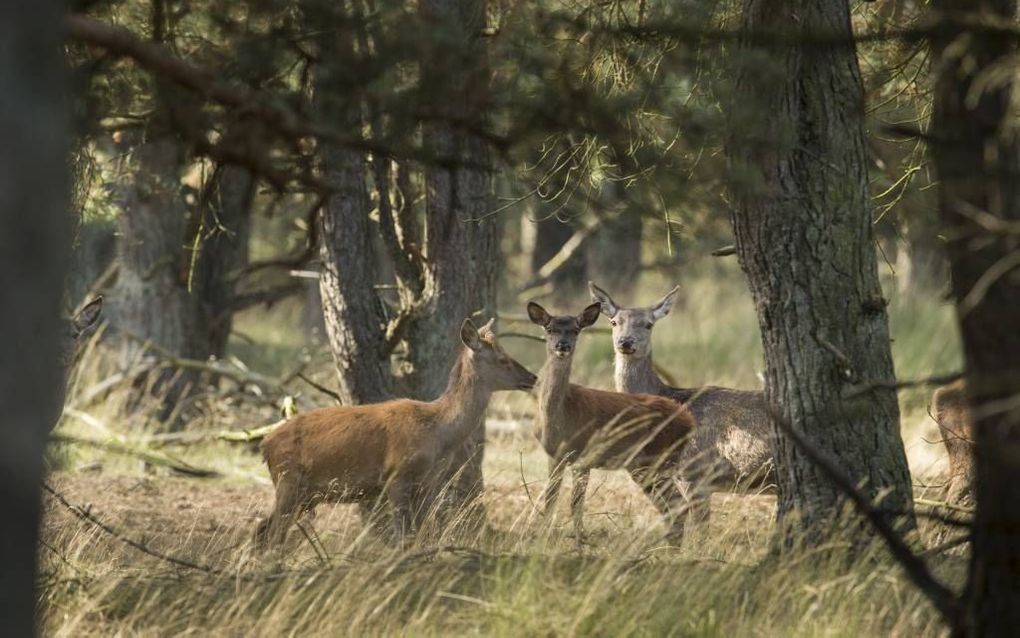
(731, 449)
(587, 428)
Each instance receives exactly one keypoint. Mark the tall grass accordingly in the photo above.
(523, 575)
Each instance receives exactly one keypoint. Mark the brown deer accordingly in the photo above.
(732, 447)
(388, 452)
(587, 428)
(949, 406)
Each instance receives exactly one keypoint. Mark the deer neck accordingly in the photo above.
(636, 374)
(462, 405)
(551, 388)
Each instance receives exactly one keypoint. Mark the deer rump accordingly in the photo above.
(622, 431)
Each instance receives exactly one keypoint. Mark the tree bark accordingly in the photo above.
(351, 308)
(977, 156)
(224, 251)
(34, 246)
(804, 239)
(151, 300)
(461, 249)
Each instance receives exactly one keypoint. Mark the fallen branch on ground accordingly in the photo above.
(152, 458)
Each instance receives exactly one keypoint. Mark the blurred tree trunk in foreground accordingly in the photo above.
(804, 238)
(977, 155)
(34, 232)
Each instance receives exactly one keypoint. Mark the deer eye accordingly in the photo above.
(648, 326)
(612, 322)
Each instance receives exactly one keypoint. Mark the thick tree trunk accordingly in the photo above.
(351, 309)
(977, 155)
(461, 251)
(151, 300)
(34, 243)
(804, 239)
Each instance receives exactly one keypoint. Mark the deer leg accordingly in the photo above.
(698, 498)
(552, 487)
(577, 495)
(273, 530)
(373, 516)
(667, 498)
(398, 493)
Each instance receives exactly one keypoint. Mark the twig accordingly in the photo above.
(321, 388)
(945, 505)
(866, 388)
(524, 482)
(725, 251)
(85, 514)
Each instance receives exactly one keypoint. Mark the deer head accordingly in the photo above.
(561, 331)
(632, 327)
(493, 366)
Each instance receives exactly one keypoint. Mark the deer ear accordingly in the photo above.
(589, 315)
(87, 317)
(469, 335)
(664, 305)
(538, 314)
(609, 307)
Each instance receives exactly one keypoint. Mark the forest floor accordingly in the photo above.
(522, 576)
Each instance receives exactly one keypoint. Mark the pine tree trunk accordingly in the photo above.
(977, 156)
(224, 252)
(351, 309)
(462, 251)
(151, 300)
(804, 239)
(34, 246)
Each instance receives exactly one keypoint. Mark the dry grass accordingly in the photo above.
(521, 576)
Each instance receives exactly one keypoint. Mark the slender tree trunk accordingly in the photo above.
(461, 251)
(804, 239)
(614, 254)
(34, 246)
(977, 155)
(540, 241)
(223, 252)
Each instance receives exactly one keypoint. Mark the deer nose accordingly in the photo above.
(563, 346)
(625, 345)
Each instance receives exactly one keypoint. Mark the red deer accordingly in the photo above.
(732, 447)
(387, 452)
(587, 428)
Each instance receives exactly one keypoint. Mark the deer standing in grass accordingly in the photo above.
(391, 452)
(587, 428)
(731, 449)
